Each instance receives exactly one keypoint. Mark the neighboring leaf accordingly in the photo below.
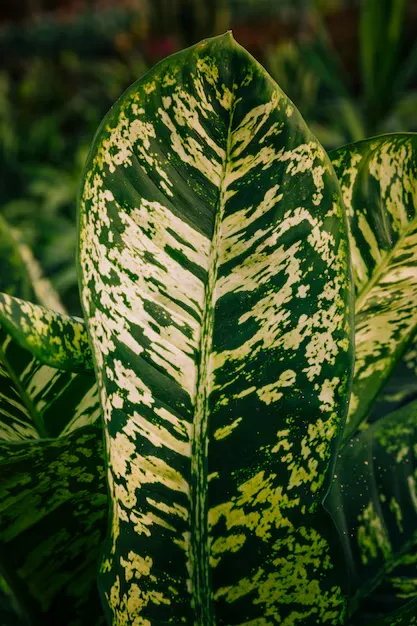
(378, 181)
(55, 339)
(53, 512)
(215, 281)
(21, 275)
(53, 502)
(405, 616)
(401, 386)
(40, 401)
(373, 500)
(10, 611)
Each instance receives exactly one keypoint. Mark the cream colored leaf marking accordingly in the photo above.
(241, 278)
(385, 270)
(151, 292)
(184, 287)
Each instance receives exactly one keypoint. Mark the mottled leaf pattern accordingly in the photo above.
(373, 501)
(53, 502)
(53, 513)
(215, 282)
(53, 338)
(378, 179)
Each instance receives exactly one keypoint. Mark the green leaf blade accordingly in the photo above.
(373, 501)
(53, 500)
(377, 179)
(57, 340)
(213, 254)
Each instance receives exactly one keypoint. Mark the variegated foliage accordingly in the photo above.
(216, 288)
(378, 179)
(57, 340)
(52, 489)
(405, 616)
(373, 500)
(21, 274)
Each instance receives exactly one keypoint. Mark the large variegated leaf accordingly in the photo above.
(378, 182)
(53, 338)
(373, 500)
(216, 287)
(52, 492)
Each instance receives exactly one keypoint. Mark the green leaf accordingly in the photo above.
(401, 386)
(53, 512)
(21, 275)
(373, 500)
(216, 287)
(53, 502)
(54, 339)
(405, 616)
(377, 179)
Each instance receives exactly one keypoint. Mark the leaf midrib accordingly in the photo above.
(199, 515)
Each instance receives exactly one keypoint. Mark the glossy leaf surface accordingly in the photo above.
(378, 182)
(215, 283)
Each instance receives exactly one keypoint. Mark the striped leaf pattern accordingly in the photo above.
(53, 501)
(373, 500)
(37, 400)
(215, 283)
(378, 183)
(53, 338)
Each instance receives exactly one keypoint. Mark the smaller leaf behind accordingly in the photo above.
(404, 616)
(401, 386)
(21, 274)
(55, 339)
(378, 181)
(53, 501)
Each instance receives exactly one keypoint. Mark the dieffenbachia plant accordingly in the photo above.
(258, 471)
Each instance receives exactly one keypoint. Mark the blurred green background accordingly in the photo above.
(349, 66)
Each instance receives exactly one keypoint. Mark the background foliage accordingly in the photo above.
(65, 66)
